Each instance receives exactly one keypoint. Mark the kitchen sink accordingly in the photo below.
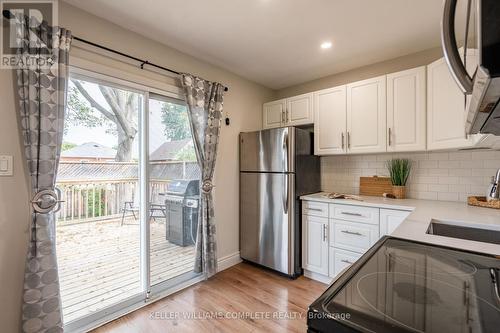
(442, 228)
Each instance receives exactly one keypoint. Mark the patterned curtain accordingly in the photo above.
(205, 103)
(41, 87)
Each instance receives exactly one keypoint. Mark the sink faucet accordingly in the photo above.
(495, 188)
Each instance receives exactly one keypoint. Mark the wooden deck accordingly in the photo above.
(99, 263)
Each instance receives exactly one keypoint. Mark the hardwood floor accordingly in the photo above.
(262, 300)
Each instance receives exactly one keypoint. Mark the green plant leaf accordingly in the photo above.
(399, 170)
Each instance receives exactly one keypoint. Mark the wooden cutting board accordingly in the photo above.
(375, 186)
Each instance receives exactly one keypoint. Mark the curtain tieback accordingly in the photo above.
(207, 186)
(46, 201)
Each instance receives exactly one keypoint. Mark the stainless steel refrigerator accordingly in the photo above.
(276, 167)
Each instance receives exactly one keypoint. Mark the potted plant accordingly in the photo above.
(399, 171)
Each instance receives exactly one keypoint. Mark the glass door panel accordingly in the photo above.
(174, 182)
(98, 227)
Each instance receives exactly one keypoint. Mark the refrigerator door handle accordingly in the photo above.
(285, 150)
(285, 195)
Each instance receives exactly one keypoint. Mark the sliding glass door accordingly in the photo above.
(174, 182)
(130, 184)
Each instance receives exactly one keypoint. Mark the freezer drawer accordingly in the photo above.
(268, 234)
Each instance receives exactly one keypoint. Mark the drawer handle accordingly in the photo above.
(347, 261)
(352, 233)
(351, 214)
(315, 209)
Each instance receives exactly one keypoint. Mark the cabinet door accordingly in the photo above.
(446, 107)
(274, 114)
(330, 121)
(406, 110)
(315, 244)
(390, 219)
(366, 116)
(299, 110)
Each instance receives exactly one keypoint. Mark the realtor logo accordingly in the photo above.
(21, 18)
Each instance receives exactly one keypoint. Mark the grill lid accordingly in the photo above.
(183, 187)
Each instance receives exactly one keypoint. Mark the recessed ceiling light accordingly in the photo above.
(326, 45)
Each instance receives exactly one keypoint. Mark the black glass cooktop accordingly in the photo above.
(403, 286)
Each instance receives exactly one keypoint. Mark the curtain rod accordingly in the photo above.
(8, 15)
(142, 61)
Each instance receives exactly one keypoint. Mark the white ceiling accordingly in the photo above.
(276, 42)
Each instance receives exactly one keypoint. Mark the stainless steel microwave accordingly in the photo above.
(483, 112)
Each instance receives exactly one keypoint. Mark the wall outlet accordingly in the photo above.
(6, 168)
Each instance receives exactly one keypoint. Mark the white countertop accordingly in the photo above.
(423, 211)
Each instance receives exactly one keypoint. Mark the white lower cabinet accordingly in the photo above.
(390, 219)
(331, 244)
(315, 244)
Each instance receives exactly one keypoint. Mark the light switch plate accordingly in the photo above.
(6, 168)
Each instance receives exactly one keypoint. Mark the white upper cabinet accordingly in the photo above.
(406, 110)
(366, 116)
(299, 110)
(413, 110)
(330, 120)
(274, 113)
(446, 107)
(293, 111)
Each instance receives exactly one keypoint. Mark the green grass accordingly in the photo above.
(399, 170)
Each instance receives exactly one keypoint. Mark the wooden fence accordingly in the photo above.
(94, 191)
(86, 201)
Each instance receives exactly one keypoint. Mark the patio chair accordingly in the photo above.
(129, 206)
(154, 209)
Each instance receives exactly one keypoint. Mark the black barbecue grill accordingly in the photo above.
(181, 210)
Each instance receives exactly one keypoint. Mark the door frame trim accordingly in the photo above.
(162, 289)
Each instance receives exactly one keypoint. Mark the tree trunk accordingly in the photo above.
(125, 144)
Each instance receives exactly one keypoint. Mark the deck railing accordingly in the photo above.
(97, 200)
(87, 200)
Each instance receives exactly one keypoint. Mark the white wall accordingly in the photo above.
(243, 102)
(14, 212)
(447, 176)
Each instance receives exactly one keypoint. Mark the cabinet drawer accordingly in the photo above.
(315, 208)
(340, 260)
(352, 236)
(354, 213)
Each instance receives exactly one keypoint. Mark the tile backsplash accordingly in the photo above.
(447, 176)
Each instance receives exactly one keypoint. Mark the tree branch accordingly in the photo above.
(117, 110)
(130, 98)
(93, 102)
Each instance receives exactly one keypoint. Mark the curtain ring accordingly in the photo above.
(52, 201)
(207, 186)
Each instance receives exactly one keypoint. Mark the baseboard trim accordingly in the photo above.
(228, 261)
(318, 277)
